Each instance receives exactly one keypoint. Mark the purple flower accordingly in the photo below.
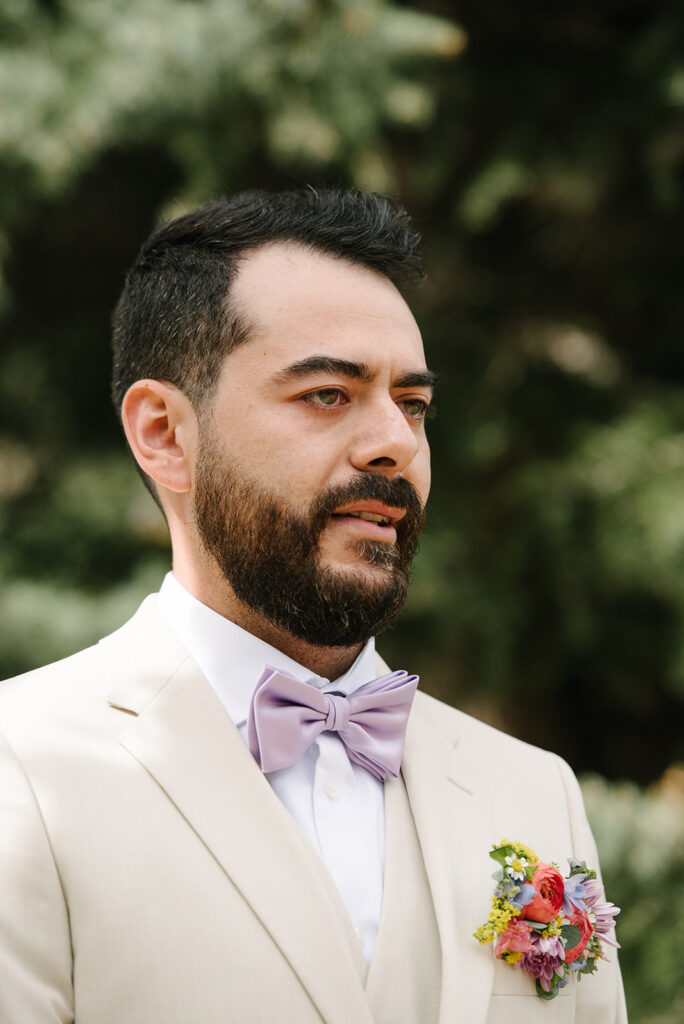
(551, 946)
(602, 911)
(545, 961)
(574, 893)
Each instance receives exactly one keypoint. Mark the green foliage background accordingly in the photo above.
(541, 152)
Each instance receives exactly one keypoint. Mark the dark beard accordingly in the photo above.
(270, 556)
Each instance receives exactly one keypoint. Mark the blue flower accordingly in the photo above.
(574, 894)
(518, 895)
(505, 890)
(525, 896)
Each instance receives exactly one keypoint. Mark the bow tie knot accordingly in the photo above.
(286, 716)
(338, 712)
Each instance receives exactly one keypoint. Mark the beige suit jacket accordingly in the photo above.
(149, 874)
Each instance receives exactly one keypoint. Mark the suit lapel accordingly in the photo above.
(183, 737)
(455, 831)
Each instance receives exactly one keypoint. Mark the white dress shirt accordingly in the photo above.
(338, 805)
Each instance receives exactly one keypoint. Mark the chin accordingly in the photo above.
(356, 564)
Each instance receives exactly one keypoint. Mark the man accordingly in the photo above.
(194, 826)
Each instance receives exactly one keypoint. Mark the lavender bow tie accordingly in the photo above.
(286, 716)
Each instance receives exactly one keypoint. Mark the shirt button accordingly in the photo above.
(332, 790)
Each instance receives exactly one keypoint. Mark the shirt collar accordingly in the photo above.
(233, 659)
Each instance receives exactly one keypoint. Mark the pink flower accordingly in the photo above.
(516, 938)
(603, 911)
(547, 881)
(586, 929)
(545, 961)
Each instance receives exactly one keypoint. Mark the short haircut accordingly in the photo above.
(175, 322)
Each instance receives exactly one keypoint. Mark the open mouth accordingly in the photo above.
(368, 517)
(372, 520)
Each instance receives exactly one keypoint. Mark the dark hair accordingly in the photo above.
(174, 320)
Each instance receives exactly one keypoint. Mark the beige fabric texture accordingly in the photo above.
(149, 874)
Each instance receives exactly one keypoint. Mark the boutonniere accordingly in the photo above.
(550, 926)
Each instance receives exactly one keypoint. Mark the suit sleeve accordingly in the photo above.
(600, 996)
(35, 946)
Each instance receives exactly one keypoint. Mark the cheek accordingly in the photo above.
(286, 461)
(419, 473)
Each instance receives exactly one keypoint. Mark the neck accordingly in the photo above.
(216, 593)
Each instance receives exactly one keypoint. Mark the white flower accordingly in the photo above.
(516, 867)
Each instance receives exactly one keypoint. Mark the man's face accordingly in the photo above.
(313, 466)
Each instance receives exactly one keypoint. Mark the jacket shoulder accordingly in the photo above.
(466, 732)
(40, 687)
(143, 645)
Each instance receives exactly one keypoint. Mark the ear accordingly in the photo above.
(161, 428)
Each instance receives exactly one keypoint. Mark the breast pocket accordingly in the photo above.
(515, 1001)
(516, 1009)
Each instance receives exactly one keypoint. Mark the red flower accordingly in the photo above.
(586, 928)
(547, 882)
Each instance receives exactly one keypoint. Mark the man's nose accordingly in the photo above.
(386, 439)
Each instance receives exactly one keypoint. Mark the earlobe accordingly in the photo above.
(161, 429)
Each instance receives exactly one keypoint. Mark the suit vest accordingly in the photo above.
(403, 982)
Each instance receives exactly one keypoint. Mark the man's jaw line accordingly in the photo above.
(212, 589)
(356, 540)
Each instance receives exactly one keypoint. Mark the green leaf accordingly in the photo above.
(576, 866)
(588, 967)
(500, 854)
(570, 935)
(551, 994)
(538, 926)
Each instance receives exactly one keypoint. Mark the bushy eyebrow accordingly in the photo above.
(346, 368)
(416, 379)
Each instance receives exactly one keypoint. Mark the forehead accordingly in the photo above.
(295, 301)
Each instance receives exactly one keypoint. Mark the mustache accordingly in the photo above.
(398, 493)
